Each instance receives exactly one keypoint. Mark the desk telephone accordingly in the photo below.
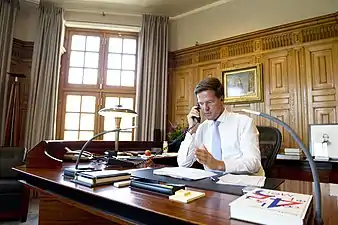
(112, 160)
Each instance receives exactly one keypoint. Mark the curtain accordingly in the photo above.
(43, 89)
(8, 9)
(152, 76)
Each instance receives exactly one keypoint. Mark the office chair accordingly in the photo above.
(270, 140)
(14, 196)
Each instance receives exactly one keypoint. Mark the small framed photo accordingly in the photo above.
(324, 135)
(243, 85)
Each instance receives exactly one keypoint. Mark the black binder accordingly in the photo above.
(205, 184)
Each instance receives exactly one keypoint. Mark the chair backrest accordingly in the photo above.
(270, 140)
(9, 157)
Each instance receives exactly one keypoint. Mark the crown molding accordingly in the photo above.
(203, 8)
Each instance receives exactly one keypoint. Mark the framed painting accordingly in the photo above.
(243, 85)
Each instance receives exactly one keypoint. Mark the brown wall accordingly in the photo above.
(300, 73)
(21, 63)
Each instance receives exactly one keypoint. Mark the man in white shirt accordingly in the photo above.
(225, 141)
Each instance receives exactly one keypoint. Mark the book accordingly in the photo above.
(186, 196)
(94, 178)
(265, 206)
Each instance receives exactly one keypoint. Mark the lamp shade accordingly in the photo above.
(117, 111)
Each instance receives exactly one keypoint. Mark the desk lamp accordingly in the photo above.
(118, 113)
(318, 216)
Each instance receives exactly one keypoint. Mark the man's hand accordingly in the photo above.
(204, 157)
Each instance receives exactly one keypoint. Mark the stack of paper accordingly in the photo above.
(243, 180)
(184, 173)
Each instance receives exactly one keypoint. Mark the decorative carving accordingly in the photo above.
(320, 32)
(257, 45)
(257, 59)
(183, 60)
(277, 41)
(224, 51)
(210, 54)
(241, 48)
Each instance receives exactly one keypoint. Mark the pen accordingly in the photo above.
(214, 179)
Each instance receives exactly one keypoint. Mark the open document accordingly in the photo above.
(243, 180)
(184, 173)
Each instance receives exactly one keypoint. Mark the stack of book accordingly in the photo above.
(102, 177)
(291, 153)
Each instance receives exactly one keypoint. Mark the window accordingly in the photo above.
(98, 70)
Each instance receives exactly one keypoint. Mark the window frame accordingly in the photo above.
(100, 90)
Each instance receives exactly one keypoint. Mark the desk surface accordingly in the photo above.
(138, 207)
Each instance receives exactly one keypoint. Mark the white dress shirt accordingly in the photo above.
(239, 143)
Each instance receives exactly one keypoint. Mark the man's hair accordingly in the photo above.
(211, 83)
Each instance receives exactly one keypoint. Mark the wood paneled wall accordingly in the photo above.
(22, 53)
(300, 73)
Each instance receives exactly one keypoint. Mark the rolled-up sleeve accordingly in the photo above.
(186, 153)
(250, 158)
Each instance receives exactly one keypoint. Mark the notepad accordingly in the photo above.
(184, 173)
(243, 180)
(186, 196)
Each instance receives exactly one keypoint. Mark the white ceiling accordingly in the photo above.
(170, 8)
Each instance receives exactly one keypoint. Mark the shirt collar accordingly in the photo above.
(221, 118)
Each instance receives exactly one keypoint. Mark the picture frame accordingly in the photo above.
(324, 133)
(243, 85)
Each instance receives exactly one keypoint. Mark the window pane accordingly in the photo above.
(72, 121)
(115, 45)
(129, 46)
(92, 60)
(109, 123)
(86, 135)
(111, 102)
(87, 121)
(128, 78)
(127, 103)
(75, 75)
(109, 137)
(124, 136)
(88, 104)
(76, 59)
(114, 61)
(70, 135)
(93, 43)
(128, 62)
(126, 122)
(78, 42)
(73, 103)
(90, 76)
(113, 77)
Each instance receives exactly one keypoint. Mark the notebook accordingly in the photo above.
(94, 178)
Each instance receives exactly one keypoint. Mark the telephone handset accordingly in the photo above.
(197, 119)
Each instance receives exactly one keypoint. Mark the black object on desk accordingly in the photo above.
(206, 184)
(156, 186)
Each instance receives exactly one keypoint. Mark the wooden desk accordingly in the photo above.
(64, 202)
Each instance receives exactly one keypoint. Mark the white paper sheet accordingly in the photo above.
(184, 173)
(243, 180)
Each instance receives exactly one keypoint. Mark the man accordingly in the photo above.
(225, 141)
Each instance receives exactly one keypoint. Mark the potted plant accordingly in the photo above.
(175, 136)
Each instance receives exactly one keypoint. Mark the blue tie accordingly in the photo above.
(216, 141)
